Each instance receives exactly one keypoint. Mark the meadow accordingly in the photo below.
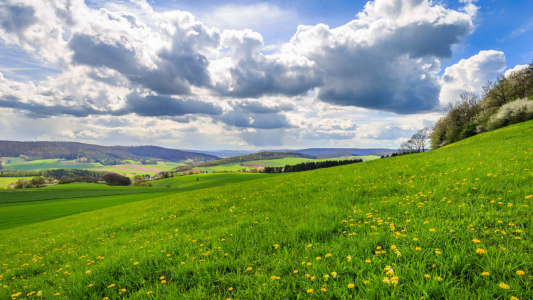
(452, 223)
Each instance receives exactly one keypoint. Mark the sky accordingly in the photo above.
(206, 75)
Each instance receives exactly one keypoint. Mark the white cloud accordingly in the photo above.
(469, 75)
(515, 69)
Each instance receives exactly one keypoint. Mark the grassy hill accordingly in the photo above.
(450, 223)
(95, 153)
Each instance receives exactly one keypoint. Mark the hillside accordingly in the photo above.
(453, 223)
(95, 153)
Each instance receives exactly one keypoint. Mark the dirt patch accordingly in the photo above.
(137, 168)
(255, 166)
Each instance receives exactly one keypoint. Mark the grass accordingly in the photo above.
(423, 225)
(19, 164)
(6, 181)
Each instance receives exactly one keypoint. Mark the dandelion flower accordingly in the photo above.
(295, 271)
(418, 248)
(351, 285)
(504, 286)
(485, 273)
(480, 251)
(111, 285)
(427, 275)
(310, 291)
(318, 258)
(249, 269)
(334, 274)
(328, 255)
(520, 273)
(230, 288)
(135, 263)
(368, 261)
(432, 229)
(514, 298)
(476, 241)
(323, 290)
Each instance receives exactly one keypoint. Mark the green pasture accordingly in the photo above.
(453, 223)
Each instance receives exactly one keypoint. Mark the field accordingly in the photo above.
(19, 164)
(6, 181)
(452, 223)
(233, 167)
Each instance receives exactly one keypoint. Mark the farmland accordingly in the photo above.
(449, 223)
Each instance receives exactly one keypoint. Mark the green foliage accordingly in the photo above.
(116, 179)
(417, 220)
(470, 116)
(512, 113)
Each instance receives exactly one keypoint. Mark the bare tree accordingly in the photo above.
(419, 142)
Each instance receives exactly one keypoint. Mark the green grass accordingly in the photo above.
(19, 164)
(418, 215)
(208, 180)
(6, 181)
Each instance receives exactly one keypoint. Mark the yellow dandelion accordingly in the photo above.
(163, 281)
(485, 273)
(520, 273)
(276, 246)
(310, 291)
(295, 271)
(368, 261)
(111, 285)
(230, 288)
(415, 239)
(334, 274)
(432, 229)
(427, 275)
(318, 258)
(476, 241)
(438, 278)
(504, 286)
(323, 290)
(249, 269)
(328, 255)
(135, 263)
(418, 248)
(514, 298)
(351, 285)
(480, 251)
(438, 252)
(366, 282)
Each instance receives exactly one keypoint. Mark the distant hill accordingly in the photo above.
(96, 153)
(324, 152)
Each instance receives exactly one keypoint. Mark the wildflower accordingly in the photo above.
(334, 274)
(149, 292)
(415, 239)
(273, 277)
(476, 241)
(295, 271)
(368, 261)
(135, 263)
(485, 273)
(90, 285)
(328, 255)
(309, 246)
(349, 258)
(163, 281)
(351, 285)
(111, 285)
(504, 286)
(393, 247)
(318, 258)
(514, 298)
(394, 280)
(520, 273)
(418, 248)
(438, 278)
(366, 282)
(162, 277)
(88, 272)
(230, 288)
(249, 269)
(313, 277)
(386, 280)
(480, 251)
(323, 290)
(310, 291)
(432, 229)
(276, 246)
(427, 276)
(438, 252)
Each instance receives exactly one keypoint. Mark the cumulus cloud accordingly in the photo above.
(387, 58)
(516, 68)
(254, 114)
(469, 75)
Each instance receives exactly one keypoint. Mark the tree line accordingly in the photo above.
(312, 165)
(506, 101)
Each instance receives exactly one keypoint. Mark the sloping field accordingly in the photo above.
(453, 223)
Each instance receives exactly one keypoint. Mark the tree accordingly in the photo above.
(421, 139)
(139, 180)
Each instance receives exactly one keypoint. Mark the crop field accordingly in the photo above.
(237, 166)
(452, 223)
(6, 181)
(19, 164)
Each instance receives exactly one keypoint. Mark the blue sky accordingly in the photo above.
(247, 74)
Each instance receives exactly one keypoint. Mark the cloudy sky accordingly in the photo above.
(198, 74)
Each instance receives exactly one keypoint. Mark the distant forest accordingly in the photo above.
(312, 165)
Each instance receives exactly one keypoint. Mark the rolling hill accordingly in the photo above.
(453, 223)
(96, 153)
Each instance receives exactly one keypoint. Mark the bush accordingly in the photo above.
(511, 113)
(116, 179)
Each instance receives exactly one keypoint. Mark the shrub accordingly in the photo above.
(116, 179)
(511, 113)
